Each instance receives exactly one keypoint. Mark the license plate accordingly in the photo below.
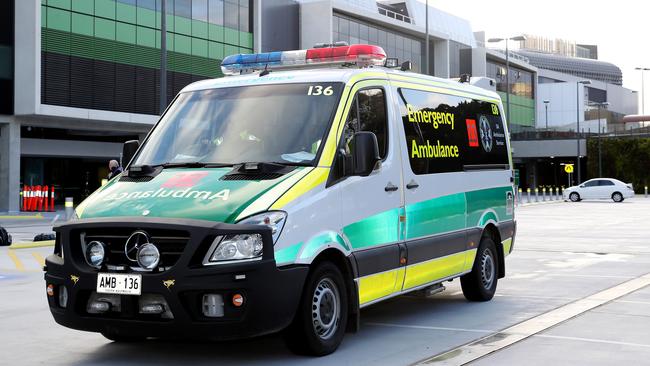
(122, 284)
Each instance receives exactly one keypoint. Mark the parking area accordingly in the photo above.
(564, 254)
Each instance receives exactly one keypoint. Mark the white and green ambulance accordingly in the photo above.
(287, 197)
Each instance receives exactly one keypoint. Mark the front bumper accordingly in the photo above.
(271, 295)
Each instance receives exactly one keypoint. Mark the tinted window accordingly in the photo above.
(604, 182)
(445, 133)
(591, 183)
(368, 113)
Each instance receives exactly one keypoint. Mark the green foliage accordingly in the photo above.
(626, 159)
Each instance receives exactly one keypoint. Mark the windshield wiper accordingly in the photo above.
(195, 164)
(295, 163)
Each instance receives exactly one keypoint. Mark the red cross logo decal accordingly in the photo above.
(184, 180)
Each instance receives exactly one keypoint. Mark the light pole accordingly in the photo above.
(584, 82)
(600, 155)
(546, 102)
(494, 40)
(163, 56)
(642, 69)
(426, 37)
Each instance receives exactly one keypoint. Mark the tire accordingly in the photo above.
(617, 197)
(481, 283)
(5, 238)
(574, 197)
(319, 325)
(118, 338)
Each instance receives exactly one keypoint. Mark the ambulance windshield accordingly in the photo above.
(284, 123)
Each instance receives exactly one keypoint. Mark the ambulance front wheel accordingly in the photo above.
(481, 283)
(319, 325)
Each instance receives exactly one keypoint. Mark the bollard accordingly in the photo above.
(528, 194)
(519, 197)
(52, 200)
(646, 191)
(69, 208)
(544, 194)
(557, 194)
(536, 195)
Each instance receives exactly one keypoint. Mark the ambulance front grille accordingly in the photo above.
(170, 244)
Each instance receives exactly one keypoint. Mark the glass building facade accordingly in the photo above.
(522, 93)
(402, 46)
(6, 56)
(105, 54)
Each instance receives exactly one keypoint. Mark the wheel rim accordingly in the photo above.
(574, 197)
(617, 197)
(326, 308)
(488, 269)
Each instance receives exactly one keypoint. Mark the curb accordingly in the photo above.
(32, 244)
(23, 217)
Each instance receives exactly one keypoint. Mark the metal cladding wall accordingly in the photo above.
(6, 56)
(105, 54)
(280, 25)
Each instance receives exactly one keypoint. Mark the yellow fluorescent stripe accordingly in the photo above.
(506, 246)
(329, 150)
(14, 258)
(267, 199)
(310, 181)
(435, 269)
(39, 258)
(469, 259)
(378, 285)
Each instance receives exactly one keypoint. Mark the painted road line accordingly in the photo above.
(39, 258)
(592, 340)
(32, 244)
(425, 327)
(17, 262)
(516, 333)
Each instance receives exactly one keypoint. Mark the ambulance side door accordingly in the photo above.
(371, 205)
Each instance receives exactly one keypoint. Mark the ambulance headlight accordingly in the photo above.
(273, 219)
(235, 248)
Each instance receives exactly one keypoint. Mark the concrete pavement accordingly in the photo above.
(564, 252)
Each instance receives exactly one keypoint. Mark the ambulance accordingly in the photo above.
(286, 197)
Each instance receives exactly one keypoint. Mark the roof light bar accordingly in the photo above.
(361, 55)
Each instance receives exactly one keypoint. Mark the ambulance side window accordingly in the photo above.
(368, 113)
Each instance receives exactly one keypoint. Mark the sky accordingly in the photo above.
(621, 29)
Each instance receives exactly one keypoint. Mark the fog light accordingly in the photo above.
(50, 290)
(238, 300)
(154, 304)
(148, 256)
(95, 253)
(98, 307)
(152, 309)
(63, 296)
(213, 305)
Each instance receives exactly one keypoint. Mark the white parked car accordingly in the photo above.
(600, 188)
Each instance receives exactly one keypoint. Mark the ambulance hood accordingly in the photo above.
(178, 193)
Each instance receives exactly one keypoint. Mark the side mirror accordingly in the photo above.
(582, 186)
(128, 151)
(366, 153)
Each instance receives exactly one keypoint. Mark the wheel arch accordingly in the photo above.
(491, 231)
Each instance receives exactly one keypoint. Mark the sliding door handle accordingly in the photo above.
(391, 187)
(412, 185)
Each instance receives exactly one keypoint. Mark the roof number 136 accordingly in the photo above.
(319, 90)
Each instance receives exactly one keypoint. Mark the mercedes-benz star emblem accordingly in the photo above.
(486, 133)
(133, 243)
